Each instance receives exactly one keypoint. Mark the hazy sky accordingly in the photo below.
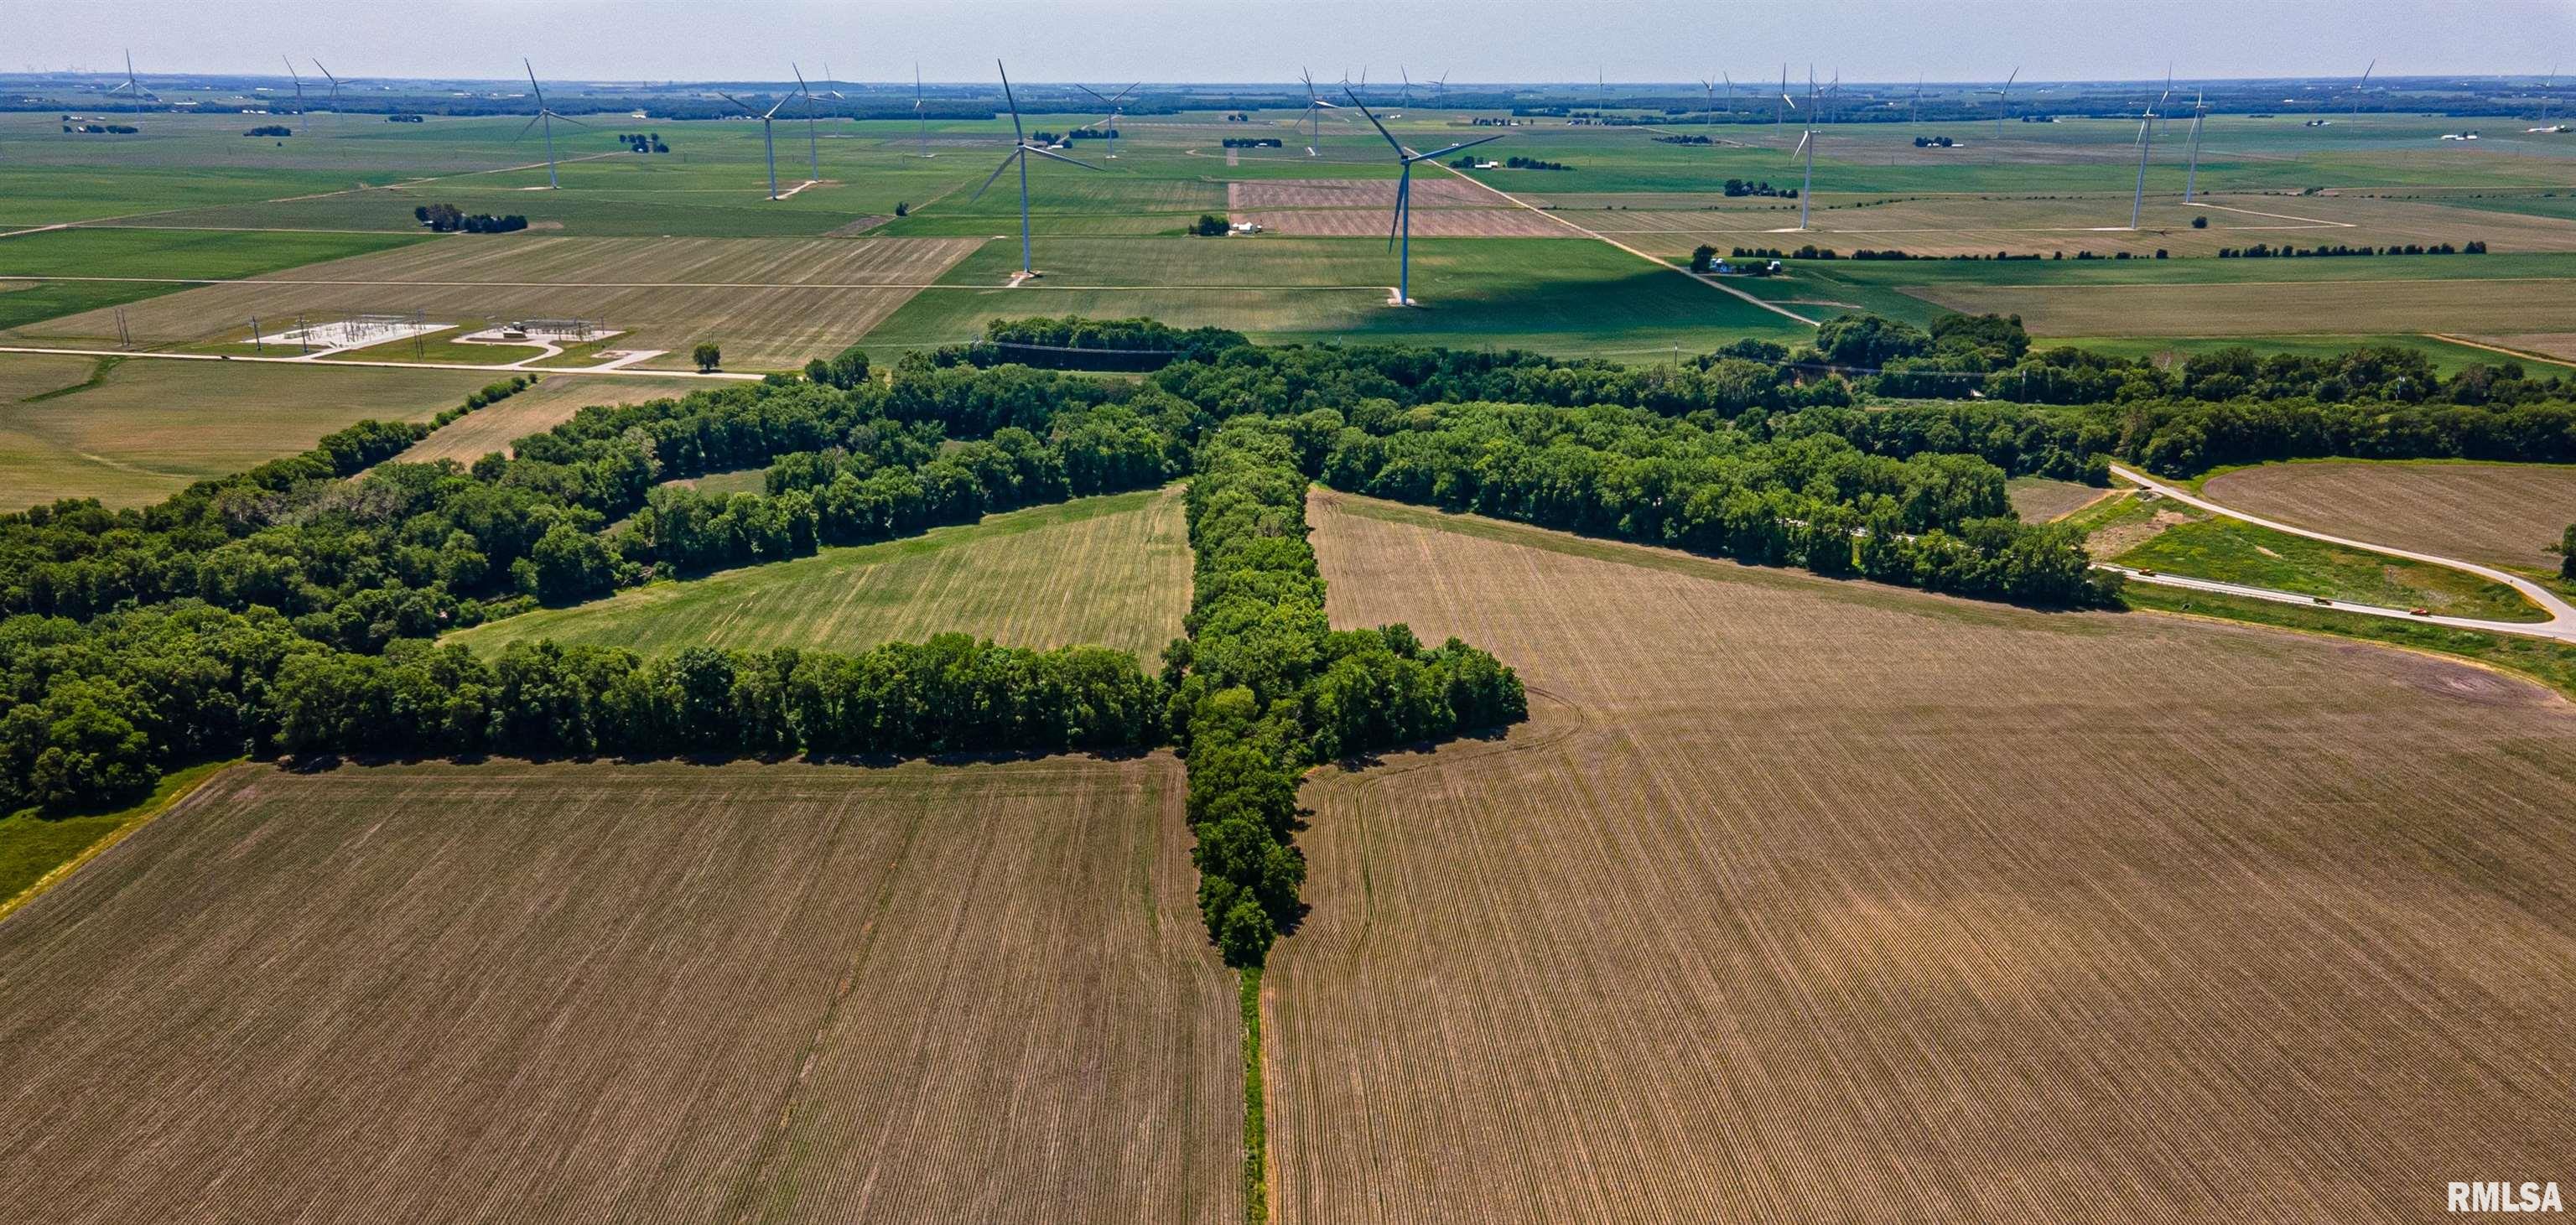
(1210, 40)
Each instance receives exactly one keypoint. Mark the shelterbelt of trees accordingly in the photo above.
(288, 608)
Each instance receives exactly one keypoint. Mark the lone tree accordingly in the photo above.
(1703, 258)
(708, 356)
(2567, 554)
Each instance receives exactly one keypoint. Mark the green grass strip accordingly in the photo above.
(2551, 663)
(38, 853)
(2231, 550)
(1256, 1130)
(97, 374)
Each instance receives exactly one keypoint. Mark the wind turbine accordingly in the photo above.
(1807, 145)
(2146, 141)
(1915, 106)
(1117, 108)
(1440, 89)
(133, 85)
(918, 112)
(1779, 117)
(1730, 96)
(1401, 228)
(767, 144)
(1020, 151)
(547, 116)
(2361, 85)
(1408, 83)
(2003, 101)
(1710, 115)
(1315, 108)
(2191, 177)
(813, 149)
(299, 84)
(335, 87)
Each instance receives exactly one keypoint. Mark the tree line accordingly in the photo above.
(1263, 686)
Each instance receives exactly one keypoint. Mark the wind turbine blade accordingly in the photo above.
(2016, 75)
(997, 173)
(1058, 156)
(1018, 137)
(523, 132)
(1372, 118)
(1122, 94)
(566, 118)
(1094, 95)
(916, 84)
(1464, 144)
(532, 82)
(782, 102)
(1803, 138)
(746, 107)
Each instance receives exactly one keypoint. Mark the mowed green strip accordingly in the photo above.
(2233, 551)
(1110, 571)
(180, 255)
(1561, 295)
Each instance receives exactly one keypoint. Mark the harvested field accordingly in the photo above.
(1805, 900)
(148, 429)
(1112, 571)
(1429, 223)
(2500, 514)
(1429, 191)
(2038, 499)
(772, 303)
(2556, 346)
(640, 993)
(550, 403)
(2256, 308)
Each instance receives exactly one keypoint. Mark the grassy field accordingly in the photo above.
(540, 408)
(2234, 551)
(514, 992)
(1112, 571)
(149, 428)
(1996, 915)
(2500, 514)
(2038, 499)
(771, 303)
(33, 847)
(1563, 295)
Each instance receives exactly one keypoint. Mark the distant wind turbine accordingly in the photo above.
(1020, 151)
(813, 143)
(335, 88)
(1401, 228)
(2003, 101)
(547, 116)
(767, 144)
(918, 112)
(1117, 110)
(1807, 145)
(299, 84)
(2362, 84)
(2191, 177)
(1779, 117)
(133, 84)
(1315, 108)
(2146, 141)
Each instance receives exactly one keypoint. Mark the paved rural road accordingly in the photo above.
(719, 376)
(2562, 617)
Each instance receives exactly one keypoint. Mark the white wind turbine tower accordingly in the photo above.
(134, 85)
(1807, 145)
(546, 115)
(1117, 110)
(1020, 151)
(813, 145)
(1315, 108)
(2191, 177)
(2003, 101)
(1709, 116)
(1401, 227)
(335, 88)
(1407, 77)
(766, 143)
(2146, 141)
(299, 84)
(918, 112)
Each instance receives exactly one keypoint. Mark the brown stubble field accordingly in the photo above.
(2502, 514)
(771, 303)
(525, 993)
(1800, 900)
(550, 403)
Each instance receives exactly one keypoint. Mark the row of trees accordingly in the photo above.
(1263, 686)
(93, 713)
(447, 218)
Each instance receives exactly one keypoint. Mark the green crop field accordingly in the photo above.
(2233, 551)
(160, 261)
(1112, 571)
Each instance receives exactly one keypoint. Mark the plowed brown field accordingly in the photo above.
(2503, 514)
(550, 403)
(1811, 901)
(633, 993)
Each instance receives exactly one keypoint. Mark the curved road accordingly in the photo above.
(2561, 624)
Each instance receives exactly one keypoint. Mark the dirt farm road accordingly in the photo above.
(2560, 626)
